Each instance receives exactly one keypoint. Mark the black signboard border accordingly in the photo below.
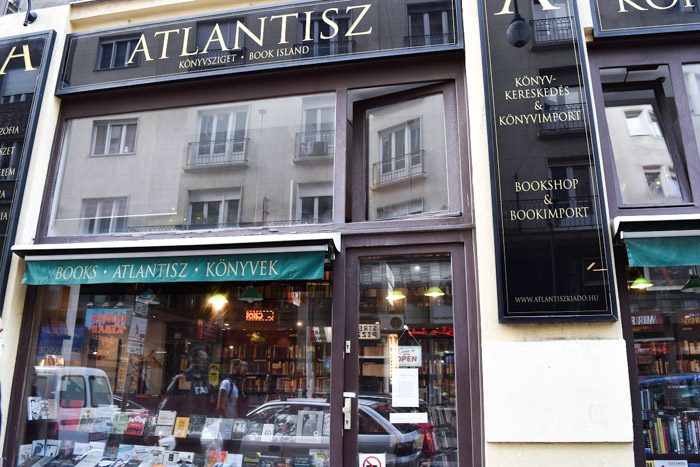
(27, 147)
(598, 30)
(592, 136)
(222, 72)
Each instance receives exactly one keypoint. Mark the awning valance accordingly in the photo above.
(663, 251)
(299, 258)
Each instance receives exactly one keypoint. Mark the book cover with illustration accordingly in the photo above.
(285, 425)
(137, 423)
(211, 428)
(182, 425)
(196, 426)
(240, 428)
(310, 423)
(87, 419)
(216, 457)
(120, 422)
(226, 428)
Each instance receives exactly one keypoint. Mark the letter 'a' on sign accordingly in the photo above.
(551, 235)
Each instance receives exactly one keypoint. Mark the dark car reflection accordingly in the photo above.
(300, 426)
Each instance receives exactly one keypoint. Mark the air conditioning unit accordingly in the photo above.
(391, 321)
(318, 148)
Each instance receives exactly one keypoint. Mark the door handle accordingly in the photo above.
(347, 410)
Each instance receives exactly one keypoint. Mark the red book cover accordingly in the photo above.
(137, 423)
(216, 457)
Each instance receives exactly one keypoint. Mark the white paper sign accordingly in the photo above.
(372, 460)
(408, 417)
(404, 388)
(410, 356)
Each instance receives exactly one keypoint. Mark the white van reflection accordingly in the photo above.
(68, 391)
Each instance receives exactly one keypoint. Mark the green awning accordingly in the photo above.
(300, 265)
(663, 251)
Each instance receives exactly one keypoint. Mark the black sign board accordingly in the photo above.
(629, 17)
(23, 68)
(244, 40)
(552, 246)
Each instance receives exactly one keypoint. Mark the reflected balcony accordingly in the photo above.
(552, 31)
(563, 127)
(311, 145)
(398, 169)
(429, 39)
(231, 152)
(327, 48)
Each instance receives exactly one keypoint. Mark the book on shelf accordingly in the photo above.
(210, 431)
(121, 421)
(87, 419)
(216, 457)
(310, 423)
(225, 428)
(166, 417)
(196, 426)
(181, 427)
(239, 428)
(137, 423)
(285, 425)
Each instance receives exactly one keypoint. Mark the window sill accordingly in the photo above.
(116, 154)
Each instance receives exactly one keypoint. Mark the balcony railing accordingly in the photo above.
(573, 213)
(563, 126)
(429, 39)
(399, 168)
(552, 30)
(218, 152)
(326, 48)
(314, 143)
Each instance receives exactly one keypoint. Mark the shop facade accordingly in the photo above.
(264, 235)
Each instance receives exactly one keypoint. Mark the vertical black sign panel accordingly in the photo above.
(23, 67)
(551, 243)
(629, 17)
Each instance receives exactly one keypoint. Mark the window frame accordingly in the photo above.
(442, 72)
(644, 56)
(110, 124)
(85, 222)
(131, 44)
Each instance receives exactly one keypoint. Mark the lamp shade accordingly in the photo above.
(395, 295)
(641, 283)
(250, 295)
(692, 285)
(434, 292)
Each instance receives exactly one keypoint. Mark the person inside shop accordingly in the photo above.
(190, 392)
(231, 397)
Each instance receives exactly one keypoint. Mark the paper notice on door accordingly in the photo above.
(404, 388)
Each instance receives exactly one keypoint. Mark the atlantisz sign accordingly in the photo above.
(626, 17)
(550, 239)
(255, 39)
(23, 66)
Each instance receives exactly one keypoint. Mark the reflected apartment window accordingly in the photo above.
(315, 205)
(429, 23)
(642, 122)
(116, 54)
(221, 137)
(324, 39)
(401, 151)
(103, 215)
(111, 138)
(691, 72)
(318, 129)
(214, 208)
(408, 208)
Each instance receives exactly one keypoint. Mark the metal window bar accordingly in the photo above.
(552, 30)
(398, 168)
(429, 39)
(563, 127)
(314, 143)
(216, 152)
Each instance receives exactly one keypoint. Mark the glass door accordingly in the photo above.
(401, 384)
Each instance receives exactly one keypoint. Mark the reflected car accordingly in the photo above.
(300, 427)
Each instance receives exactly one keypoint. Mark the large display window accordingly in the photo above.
(665, 320)
(188, 374)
